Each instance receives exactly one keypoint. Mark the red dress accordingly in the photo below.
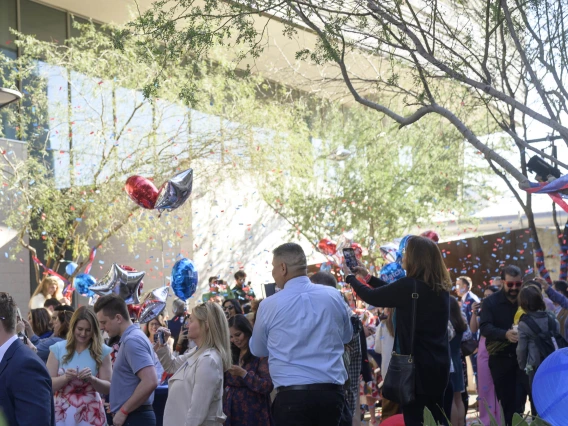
(246, 401)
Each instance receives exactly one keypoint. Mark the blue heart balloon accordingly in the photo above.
(392, 272)
(184, 279)
(82, 283)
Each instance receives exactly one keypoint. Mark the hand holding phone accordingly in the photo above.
(350, 258)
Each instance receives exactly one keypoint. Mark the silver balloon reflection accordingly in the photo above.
(154, 303)
(122, 282)
(175, 191)
(151, 310)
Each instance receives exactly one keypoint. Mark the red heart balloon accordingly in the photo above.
(326, 246)
(142, 191)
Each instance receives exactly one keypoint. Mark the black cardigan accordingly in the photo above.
(431, 347)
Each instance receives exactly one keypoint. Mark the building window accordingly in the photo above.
(46, 23)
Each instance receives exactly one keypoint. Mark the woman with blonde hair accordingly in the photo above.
(80, 370)
(195, 396)
(421, 334)
(50, 287)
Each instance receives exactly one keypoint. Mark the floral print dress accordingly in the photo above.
(78, 403)
(246, 401)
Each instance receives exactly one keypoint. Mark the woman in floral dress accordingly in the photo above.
(246, 400)
(80, 370)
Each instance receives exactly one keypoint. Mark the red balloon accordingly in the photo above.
(142, 191)
(358, 250)
(431, 235)
(328, 247)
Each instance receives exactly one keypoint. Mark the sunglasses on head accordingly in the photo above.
(512, 284)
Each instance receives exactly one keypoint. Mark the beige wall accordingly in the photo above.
(14, 274)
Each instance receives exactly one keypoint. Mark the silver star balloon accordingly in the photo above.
(175, 191)
(122, 282)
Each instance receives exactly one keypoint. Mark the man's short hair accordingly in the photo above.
(512, 271)
(111, 305)
(53, 302)
(240, 274)
(292, 255)
(8, 311)
(324, 278)
(64, 308)
(211, 279)
(466, 280)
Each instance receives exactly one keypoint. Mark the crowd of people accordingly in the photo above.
(314, 353)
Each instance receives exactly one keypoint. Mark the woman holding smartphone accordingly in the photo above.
(195, 396)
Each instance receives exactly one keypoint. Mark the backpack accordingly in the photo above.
(546, 341)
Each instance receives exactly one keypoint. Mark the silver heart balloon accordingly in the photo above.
(175, 191)
(151, 310)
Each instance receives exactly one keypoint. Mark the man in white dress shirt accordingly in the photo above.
(302, 329)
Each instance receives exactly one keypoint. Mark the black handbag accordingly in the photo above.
(468, 347)
(399, 384)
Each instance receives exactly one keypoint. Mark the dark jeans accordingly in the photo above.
(414, 413)
(143, 418)
(508, 381)
(308, 408)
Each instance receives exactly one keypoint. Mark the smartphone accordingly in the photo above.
(350, 258)
(159, 337)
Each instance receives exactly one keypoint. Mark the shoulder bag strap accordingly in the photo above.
(413, 330)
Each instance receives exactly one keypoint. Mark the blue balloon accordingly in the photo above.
(70, 268)
(325, 267)
(184, 279)
(391, 272)
(83, 282)
(401, 248)
(549, 388)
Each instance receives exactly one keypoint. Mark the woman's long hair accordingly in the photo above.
(213, 323)
(64, 318)
(456, 317)
(42, 287)
(424, 262)
(241, 323)
(96, 346)
(40, 321)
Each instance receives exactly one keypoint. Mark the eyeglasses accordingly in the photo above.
(512, 284)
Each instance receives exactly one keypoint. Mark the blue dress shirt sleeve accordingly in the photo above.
(259, 341)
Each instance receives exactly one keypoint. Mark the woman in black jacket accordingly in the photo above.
(424, 266)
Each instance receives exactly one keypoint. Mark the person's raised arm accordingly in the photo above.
(258, 343)
(169, 361)
(557, 298)
(474, 321)
(384, 295)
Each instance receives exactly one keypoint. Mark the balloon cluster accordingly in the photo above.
(171, 195)
(127, 283)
